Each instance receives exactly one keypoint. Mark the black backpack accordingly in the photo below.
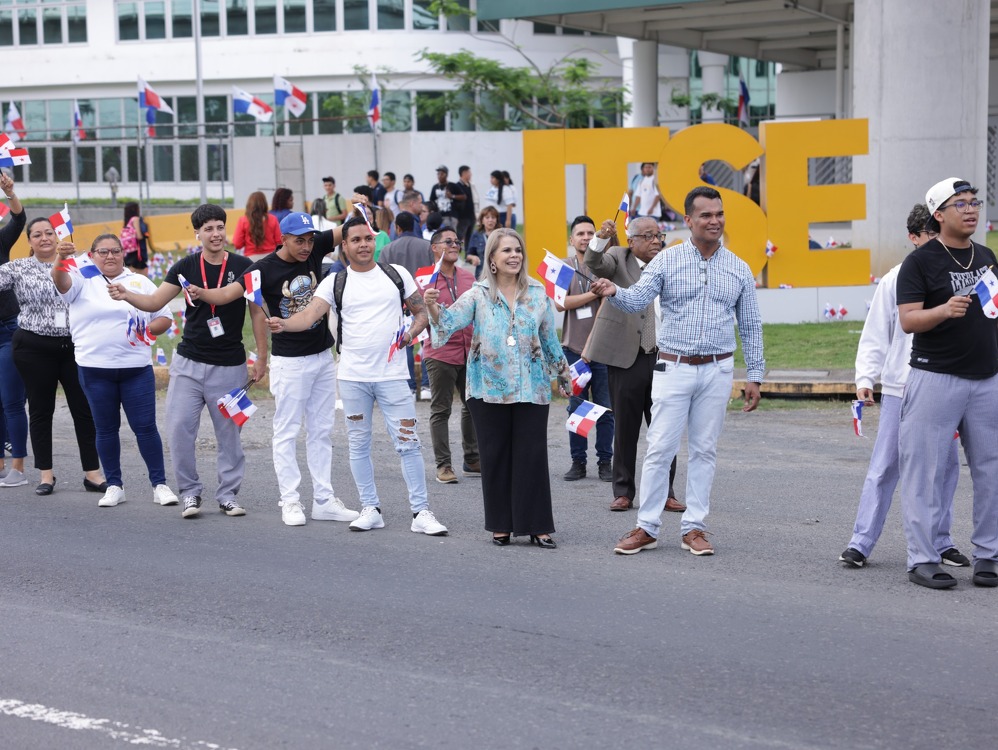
(341, 282)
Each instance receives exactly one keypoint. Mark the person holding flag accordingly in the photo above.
(515, 352)
(953, 385)
(447, 365)
(14, 421)
(45, 358)
(208, 363)
(580, 308)
(113, 357)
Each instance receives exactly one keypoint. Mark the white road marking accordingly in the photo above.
(113, 729)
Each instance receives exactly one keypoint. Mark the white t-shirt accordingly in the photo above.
(99, 324)
(508, 198)
(371, 315)
(647, 192)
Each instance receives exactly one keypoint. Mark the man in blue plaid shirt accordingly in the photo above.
(703, 289)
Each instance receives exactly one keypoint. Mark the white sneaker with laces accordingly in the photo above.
(332, 509)
(425, 394)
(293, 513)
(192, 506)
(426, 523)
(163, 495)
(370, 518)
(112, 497)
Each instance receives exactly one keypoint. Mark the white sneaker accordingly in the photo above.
(292, 513)
(332, 510)
(112, 497)
(425, 394)
(14, 478)
(370, 518)
(426, 523)
(163, 495)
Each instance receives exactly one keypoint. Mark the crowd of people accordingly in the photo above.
(653, 327)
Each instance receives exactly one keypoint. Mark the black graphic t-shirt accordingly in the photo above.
(968, 346)
(198, 344)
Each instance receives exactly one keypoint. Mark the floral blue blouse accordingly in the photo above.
(500, 372)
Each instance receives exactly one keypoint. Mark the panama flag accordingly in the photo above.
(6, 144)
(15, 125)
(244, 103)
(857, 418)
(625, 208)
(14, 157)
(374, 111)
(185, 284)
(581, 375)
(585, 417)
(149, 98)
(81, 265)
(79, 133)
(987, 292)
(427, 275)
(557, 277)
(236, 405)
(743, 103)
(160, 356)
(290, 96)
(4, 210)
(252, 283)
(61, 223)
(251, 358)
(770, 249)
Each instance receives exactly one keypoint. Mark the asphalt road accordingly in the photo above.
(132, 625)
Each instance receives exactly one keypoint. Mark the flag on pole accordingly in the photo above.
(79, 133)
(61, 223)
(15, 124)
(185, 284)
(770, 249)
(987, 292)
(292, 98)
(6, 144)
(625, 208)
(397, 344)
(857, 418)
(585, 417)
(581, 375)
(251, 358)
(557, 277)
(743, 103)
(374, 111)
(427, 275)
(252, 282)
(236, 405)
(149, 98)
(244, 103)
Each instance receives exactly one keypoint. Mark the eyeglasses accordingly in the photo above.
(930, 235)
(963, 206)
(648, 237)
(450, 243)
(106, 251)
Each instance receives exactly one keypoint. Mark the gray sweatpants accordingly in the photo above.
(935, 405)
(194, 385)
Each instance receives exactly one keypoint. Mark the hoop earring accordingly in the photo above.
(492, 267)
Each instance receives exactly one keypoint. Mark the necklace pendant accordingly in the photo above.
(510, 341)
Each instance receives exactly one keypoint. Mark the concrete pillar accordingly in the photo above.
(921, 78)
(639, 60)
(712, 67)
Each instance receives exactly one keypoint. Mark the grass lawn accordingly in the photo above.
(810, 346)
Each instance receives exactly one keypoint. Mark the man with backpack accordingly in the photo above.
(372, 330)
(335, 204)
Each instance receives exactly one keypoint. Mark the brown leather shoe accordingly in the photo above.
(621, 503)
(696, 542)
(674, 506)
(635, 541)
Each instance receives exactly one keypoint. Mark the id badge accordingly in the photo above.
(59, 319)
(583, 312)
(215, 326)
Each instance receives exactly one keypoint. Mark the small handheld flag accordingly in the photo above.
(583, 419)
(581, 375)
(81, 265)
(857, 418)
(160, 356)
(61, 223)
(557, 277)
(986, 289)
(236, 405)
(251, 358)
(770, 249)
(252, 282)
(185, 284)
(427, 275)
(290, 96)
(397, 344)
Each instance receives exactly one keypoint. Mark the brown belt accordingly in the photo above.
(694, 360)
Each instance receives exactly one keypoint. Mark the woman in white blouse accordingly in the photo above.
(44, 357)
(113, 342)
(502, 195)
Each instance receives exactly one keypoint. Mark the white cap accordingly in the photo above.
(942, 191)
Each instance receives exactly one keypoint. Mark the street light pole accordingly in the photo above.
(202, 146)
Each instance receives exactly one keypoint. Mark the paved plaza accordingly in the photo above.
(132, 625)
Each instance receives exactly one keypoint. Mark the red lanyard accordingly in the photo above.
(221, 275)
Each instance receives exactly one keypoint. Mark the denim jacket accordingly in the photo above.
(500, 373)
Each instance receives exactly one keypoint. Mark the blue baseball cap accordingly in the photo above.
(297, 223)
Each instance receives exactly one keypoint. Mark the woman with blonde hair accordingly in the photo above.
(258, 233)
(515, 352)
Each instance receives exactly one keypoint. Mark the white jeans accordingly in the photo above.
(692, 398)
(304, 387)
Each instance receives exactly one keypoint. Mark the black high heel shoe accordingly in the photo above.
(502, 541)
(548, 543)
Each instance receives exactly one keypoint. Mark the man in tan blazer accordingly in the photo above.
(625, 342)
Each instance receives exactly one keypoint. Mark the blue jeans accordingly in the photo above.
(597, 391)
(14, 420)
(399, 413)
(134, 388)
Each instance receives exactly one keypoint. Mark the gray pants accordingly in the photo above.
(935, 405)
(194, 385)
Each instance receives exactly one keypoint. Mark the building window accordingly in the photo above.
(236, 18)
(295, 16)
(31, 22)
(422, 17)
(355, 15)
(391, 14)
(182, 19)
(265, 16)
(426, 120)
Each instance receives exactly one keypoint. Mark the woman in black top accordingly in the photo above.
(14, 420)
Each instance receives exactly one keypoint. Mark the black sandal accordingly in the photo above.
(45, 488)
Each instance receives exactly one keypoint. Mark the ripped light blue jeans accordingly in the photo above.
(399, 411)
